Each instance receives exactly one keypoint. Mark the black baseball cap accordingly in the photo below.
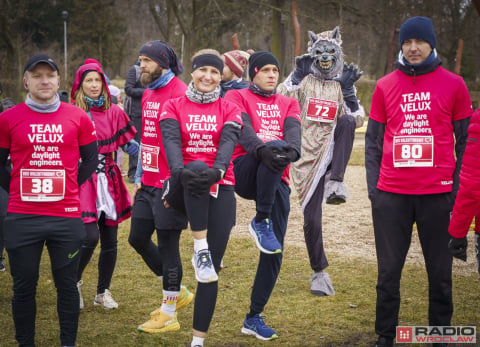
(40, 58)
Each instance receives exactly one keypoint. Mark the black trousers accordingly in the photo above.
(254, 181)
(25, 238)
(393, 219)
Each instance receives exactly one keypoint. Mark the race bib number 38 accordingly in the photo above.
(321, 110)
(413, 151)
(42, 185)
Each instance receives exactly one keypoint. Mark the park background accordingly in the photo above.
(112, 32)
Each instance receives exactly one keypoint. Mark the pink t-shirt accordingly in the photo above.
(154, 161)
(201, 126)
(418, 149)
(267, 115)
(44, 149)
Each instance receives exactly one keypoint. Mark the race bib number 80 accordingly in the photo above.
(413, 151)
(42, 185)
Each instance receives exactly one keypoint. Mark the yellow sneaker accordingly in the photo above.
(184, 298)
(160, 323)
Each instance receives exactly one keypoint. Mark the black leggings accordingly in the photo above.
(221, 219)
(108, 252)
(149, 214)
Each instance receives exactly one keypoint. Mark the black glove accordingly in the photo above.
(274, 158)
(291, 153)
(458, 247)
(192, 182)
(213, 176)
(348, 77)
(303, 66)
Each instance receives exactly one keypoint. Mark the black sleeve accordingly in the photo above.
(4, 172)
(248, 137)
(130, 84)
(172, 143)
(89, 155)
(373, 154)
(460, 128)
(292, 132)
(228, 142)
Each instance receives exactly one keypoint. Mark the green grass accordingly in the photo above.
(301, 319)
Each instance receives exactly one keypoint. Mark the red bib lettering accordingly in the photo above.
(319, 110)
(150, 158)
(40, 185)
(413, 151)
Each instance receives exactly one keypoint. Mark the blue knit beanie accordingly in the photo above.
(418, 28)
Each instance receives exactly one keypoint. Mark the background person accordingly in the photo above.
(235, 63)
(5, 104)
(45, 138)
(417, 127)
(269, 142)
(104, 198)
(200, 131)
(133, 108)
(160, 68)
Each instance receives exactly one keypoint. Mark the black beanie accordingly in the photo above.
(418, 28)
(164, 55)
(258, 60)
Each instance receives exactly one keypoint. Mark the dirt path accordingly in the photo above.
(348, 227)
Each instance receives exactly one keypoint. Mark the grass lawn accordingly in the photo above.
(301, 319)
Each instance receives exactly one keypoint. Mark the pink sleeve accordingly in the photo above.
(87, 131)
(377, 110)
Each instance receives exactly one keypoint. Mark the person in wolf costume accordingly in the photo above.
(330, 112)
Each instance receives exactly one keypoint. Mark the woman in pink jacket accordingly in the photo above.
(104, 198)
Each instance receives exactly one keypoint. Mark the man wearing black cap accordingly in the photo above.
(46, 139)
(269, 142)
(417, 127)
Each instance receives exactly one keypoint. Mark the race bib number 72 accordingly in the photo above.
(321, 110)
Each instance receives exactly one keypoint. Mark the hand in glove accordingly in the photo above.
(291, 153)
(131, 148)
(274, 158)
(458, 247)
(212, 175)
(348, 77)
(303, 66)
(198, 184)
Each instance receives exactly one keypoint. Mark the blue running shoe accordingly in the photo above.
(256, 326)
(264, 236)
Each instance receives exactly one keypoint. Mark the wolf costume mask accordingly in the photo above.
(327, 53)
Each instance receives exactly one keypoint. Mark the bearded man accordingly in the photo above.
(160, 68)
(330, 112)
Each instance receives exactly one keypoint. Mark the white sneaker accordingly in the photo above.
(105, 300)
(204, 270)
(79, 284)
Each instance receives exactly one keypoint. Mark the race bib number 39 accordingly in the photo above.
(41, 185)
(413, 151)
(321, 110)
(150, 158)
